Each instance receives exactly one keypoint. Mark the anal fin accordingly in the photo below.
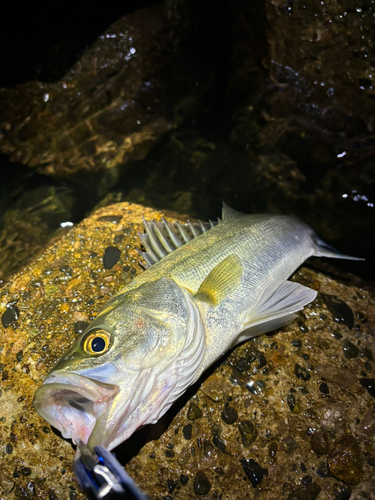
(276, 308)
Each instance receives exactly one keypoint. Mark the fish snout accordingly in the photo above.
(73, 403)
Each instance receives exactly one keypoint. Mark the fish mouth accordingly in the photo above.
(73, 403)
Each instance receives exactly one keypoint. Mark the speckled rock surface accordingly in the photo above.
(287, 415)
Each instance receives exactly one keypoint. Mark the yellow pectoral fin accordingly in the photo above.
(221, 281)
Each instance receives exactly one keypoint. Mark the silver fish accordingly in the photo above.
(209, 286)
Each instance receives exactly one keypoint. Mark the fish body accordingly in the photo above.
(207, 290)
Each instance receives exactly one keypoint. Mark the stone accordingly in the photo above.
(342, 377)
(345, 461)
(253, 471)
(201, 484)
(310, 492)
(229, 415)
(114, 104)
(215, 388)
(367, 426)
(319, 442)
(248, 432)
(194, 412)
(271, 432)
(340, 311)
(332, 417)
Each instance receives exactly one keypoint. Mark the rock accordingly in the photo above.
(310, 492)
(253, 471)
(319, 442)
(290, 444)
(201, 484)
(248, 432)
(340, 311)
(350, 350)
(342, 377)
(301, 372)
(215, 388)
(6, 483)
(332, 417)
(316, 116)
(365, 489)
(114, 104)
(345, 461)
(369, 383)
(29, 224)
(367, 426)
(63, 286)
(194, 412)
(229, 415)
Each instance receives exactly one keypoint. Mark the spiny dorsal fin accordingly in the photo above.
(221, 281)
(230, 213)
(161, 238)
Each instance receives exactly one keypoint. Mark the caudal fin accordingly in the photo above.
(322, 249)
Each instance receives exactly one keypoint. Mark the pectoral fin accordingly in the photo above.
(221, 281)
(276, 308)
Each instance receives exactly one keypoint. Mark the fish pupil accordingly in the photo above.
(98, 344)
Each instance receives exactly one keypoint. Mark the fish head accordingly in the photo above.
(127, 368)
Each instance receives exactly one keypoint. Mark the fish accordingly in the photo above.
(207, 287)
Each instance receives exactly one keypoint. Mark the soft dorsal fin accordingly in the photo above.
(161, 238)
(230, 213)
(221, 281)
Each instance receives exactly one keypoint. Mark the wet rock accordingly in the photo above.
(272, 450)
(207, 448)
(310, 492)
(290, 444)
(171, 484)
(201, 484)
(350, 350)
(151, 468)
(345, 462)
(111, 257)
(105, 117)
(301, 372)
(363, 490)
(367, 426)
(6, 483)
(342, 377)
(253, 471)
(229, 415)
(332, 417)
(293, 403)
(194, 412)
(319, 442)
(187, 431)
(248, 432)
(215, 388)
(219, 443)
(10, 315)
(323, 388)
(184, 479)
(29, 224)
(369, 383)
(80, 327)
(340, 311)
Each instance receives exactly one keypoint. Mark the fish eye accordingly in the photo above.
(97, 342)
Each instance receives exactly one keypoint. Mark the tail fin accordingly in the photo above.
(322, 249)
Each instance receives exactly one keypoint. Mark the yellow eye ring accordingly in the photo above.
(97, 342)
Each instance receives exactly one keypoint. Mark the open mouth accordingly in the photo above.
(72, 403)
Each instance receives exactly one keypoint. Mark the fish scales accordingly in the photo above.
(246, 237)
(160, 332)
